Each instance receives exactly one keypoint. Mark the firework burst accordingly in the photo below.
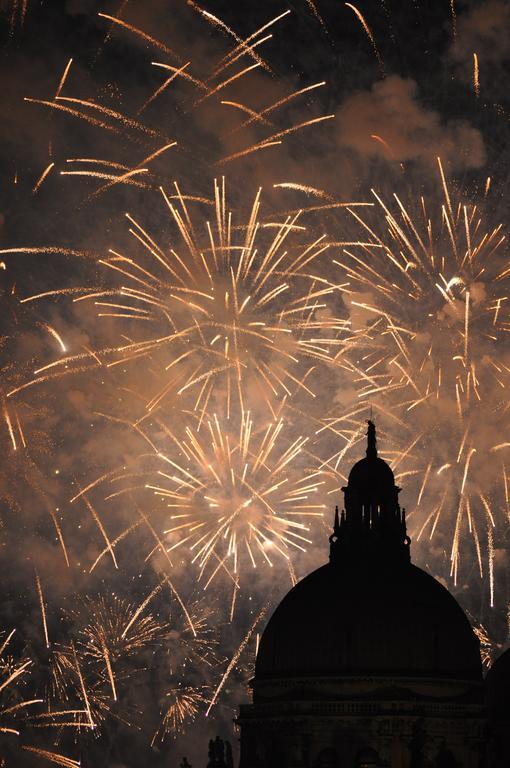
(17, 713)
(182, 705)
(242, 310)
(236, 497)
(13, 679)
(432, 290)
(241, 504)
(219, 335)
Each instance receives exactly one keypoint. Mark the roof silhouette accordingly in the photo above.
(369, 611)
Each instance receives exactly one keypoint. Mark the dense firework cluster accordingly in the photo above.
(443, 364)
(188, 365)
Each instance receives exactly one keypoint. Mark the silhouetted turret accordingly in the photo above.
(373, 525)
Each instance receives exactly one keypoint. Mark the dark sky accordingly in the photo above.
(402, 94)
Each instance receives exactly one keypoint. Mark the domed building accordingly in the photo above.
(368, 661)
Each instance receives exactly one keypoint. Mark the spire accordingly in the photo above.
(371, 441)
(336, 524)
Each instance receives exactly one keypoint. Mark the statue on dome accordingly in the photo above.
(371, 440)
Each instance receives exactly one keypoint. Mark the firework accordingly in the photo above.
(182, 704)
(202, 94)
(18, 711)
(235, 497)
(241, 503)
(191, 642)
(116, 629)
(432, 289)
(476, 76)
(368, 33)
(13, 674)
(242, 308)
(212, 370)
(236, 655)
(113, 641)
(489, 649)
(89, 673)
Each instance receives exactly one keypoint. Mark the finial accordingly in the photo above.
(334, 538)
(371, 441)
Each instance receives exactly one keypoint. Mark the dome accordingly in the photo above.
(373, 474)
(369, 612)
(498, 688)
(374, 622)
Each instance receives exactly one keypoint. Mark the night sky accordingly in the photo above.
(183, 391)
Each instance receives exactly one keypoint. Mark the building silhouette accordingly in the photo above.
(498, 712)
(369, 661)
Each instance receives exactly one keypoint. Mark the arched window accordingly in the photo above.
(328, 758)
